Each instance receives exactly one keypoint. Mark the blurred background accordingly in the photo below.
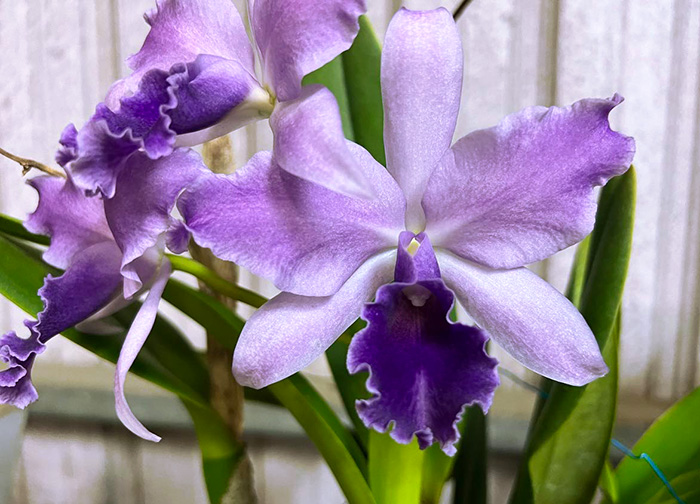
(58, 58)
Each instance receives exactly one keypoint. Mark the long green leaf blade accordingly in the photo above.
(362, 64)
(13, 227)
(337, 446)
(686, 487)
(436, 470)
(570, 442)
(470, 470)
(217, 319)
(673, 443)
(395, 470)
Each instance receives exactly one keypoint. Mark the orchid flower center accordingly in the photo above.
(263, 100)
(413, 247)
(417, 295)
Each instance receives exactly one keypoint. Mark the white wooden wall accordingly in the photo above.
(58, 57)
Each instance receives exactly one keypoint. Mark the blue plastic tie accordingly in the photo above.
(652, 464)
(644, 456)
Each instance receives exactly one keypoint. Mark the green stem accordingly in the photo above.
(337, 446)
(216, 282)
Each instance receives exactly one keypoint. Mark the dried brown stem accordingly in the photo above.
(226, 394)
(28, 164)
(460, 9)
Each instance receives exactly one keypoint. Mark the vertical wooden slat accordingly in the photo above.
(172, 472)
(65, 466)
(671, 370)
(645, 82)
(16, 130)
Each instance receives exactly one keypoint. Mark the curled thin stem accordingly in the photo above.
(460, 9)
(28, 164)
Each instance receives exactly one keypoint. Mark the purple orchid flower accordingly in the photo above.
(106, 268)
(194, 80)
(497, 200)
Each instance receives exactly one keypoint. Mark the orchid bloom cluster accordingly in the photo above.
(338, 233)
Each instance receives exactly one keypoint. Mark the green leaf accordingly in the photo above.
(570, 442)
(609, 485)
(13, 227)
(217, 319)
(215, 282)
(332, 75)
(21, 276)
(470, 470)
(673, 443)
(362, 64)
(351, 387)
(436, 470)
(577, 279)
(336, 444)
(395, 470)
(686, 486)
(221, 452)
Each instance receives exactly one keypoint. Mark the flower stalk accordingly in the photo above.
(28, 164)
(227, 396)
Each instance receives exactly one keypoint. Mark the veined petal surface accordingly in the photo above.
(528, 318)
(139, 214)
(133, 342)
(91, 282)
(296, 37)
(73, 221)
(423, 369)
(517, 193)
(180, 31)
(421, 78)
(289, 332)
(190, 103)
(18, 354)
(309, 142)
(305, 238)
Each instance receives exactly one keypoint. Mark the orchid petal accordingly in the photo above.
(134, 341)
(423, 369)
(139, 213)
(296, 37)
(91, 282)
(180, 31)
(309, 143)
(18, 354)
(421, 84)
(73, 221)
(199, 100)
(519, 192)
(528, 317)
(307, 239)
(290, 331)
(68, 151)
(100, 156)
